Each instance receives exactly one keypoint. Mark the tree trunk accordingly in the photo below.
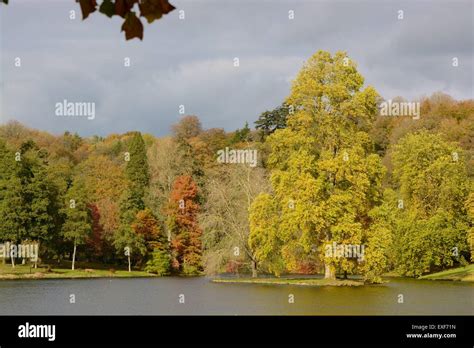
(254, 269)
(345, 274)
(129, 264)
(37, 255)
(74, 255)
(13, 261)
(329, 272)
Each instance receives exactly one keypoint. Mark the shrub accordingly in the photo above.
(159, 263)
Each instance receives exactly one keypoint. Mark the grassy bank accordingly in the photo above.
(465, 274)
(27, 272)
(291, 281)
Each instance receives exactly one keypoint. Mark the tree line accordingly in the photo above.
(331, 171)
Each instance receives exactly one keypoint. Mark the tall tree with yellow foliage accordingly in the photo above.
(325, 175)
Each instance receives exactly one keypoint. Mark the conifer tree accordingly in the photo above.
(183, 225)
(126, 241)
(137, 170)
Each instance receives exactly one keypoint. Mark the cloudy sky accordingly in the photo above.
(190, 62)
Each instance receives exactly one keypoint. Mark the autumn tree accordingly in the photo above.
(96, 241)
(182, 223)
(325, 176)
(440, 114)
(156, 243)
(187, 127)
(225, 217)
(167, 162)
(470, 211)
(104, 182)
(148, 226)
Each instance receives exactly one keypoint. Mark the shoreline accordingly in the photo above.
(48, 276)
(291, 281)
(23, 272)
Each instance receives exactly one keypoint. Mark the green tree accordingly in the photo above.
(13, 212)
(269, 121)
(137, 170)
(133, 245)
(78, 221)
(378, 256)
(29, 196)
(159, 263)
(241, 135)
(7, 161)
(149, 227)
(264, 237)
(126, 240)
(431, 179)
(39, 196)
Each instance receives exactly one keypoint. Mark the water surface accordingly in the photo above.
(160, 296)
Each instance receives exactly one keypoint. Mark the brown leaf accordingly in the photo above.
(166, 6)
(150, 10)
(132, 26)
(154, 9)
(123, 7)
(87, 7)
(107, 8)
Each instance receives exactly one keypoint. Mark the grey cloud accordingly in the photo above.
(190, 62)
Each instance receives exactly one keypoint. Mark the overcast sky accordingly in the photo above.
(190, 62)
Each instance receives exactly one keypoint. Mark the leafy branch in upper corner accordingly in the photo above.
(133, 27)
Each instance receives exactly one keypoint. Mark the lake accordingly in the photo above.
(160, 296)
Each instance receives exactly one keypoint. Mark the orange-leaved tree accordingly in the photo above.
(182, 223)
